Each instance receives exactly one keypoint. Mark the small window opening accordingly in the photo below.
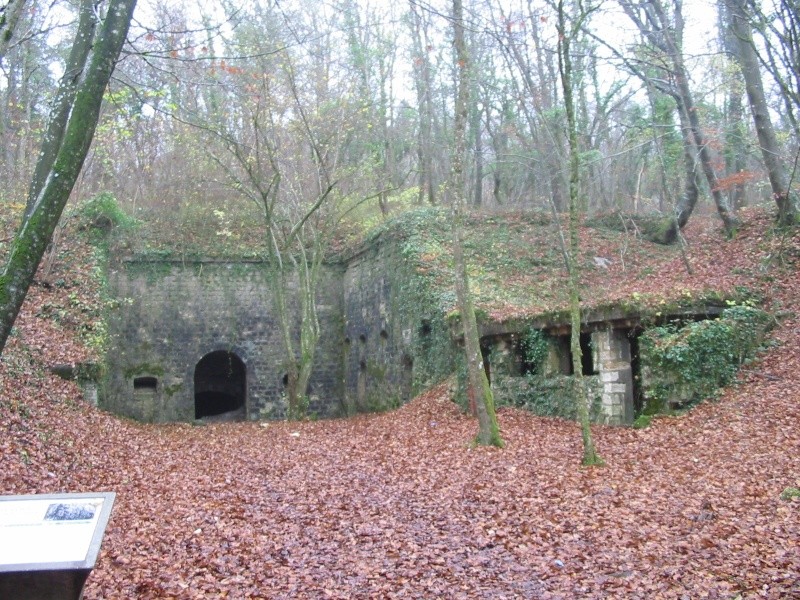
(361, 385)
(587, 359)
(407, 377)
(145, 383)
(636, 372)
(384, 335)
(425, 328)
(362, 338)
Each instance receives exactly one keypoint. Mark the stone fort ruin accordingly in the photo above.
(197, 339)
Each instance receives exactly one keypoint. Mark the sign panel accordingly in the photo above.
(50, 532)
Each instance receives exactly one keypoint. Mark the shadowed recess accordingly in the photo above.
(220, 385)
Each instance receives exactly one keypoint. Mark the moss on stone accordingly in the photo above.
(154, 370)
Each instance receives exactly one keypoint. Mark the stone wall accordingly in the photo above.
(384, 339)
(549, 391)
(170, 316)
(396, 341)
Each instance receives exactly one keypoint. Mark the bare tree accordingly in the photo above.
(64, 99)
(538, 96)
(281, 150)
(568, 27)
(10, 12)
(777, 23)
(664, 34)
(423, 85)
(785, 198)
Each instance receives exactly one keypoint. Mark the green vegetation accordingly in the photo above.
(544, 394)
(413, 246)
(547, 397)
(101, 219)
(684, 365)
(536, 349)
(145, 369)
(101, 214)
(654, 228)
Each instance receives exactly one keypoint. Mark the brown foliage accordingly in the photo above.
(399, 504)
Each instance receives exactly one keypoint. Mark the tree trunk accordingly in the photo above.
(735, 128)
(665, 35)
(308, 271)
(477, 197)
(422, 81)
(778, 25)
(590, 456)
(279, 285)
(9, 18)
(786, 201)
(46, 207)
(64, 98)
(477, 382)
(670, 228)
(686, 99)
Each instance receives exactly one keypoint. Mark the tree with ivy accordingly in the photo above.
(568, 27)
(97, 44)
(478, 390)
(10, 13)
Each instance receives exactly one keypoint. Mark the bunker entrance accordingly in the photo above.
(220, 386)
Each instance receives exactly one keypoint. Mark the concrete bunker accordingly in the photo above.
(606, 362)
(220, 386)
(615, 360)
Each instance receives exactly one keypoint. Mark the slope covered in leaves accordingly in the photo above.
(399, 504)
(517, 271)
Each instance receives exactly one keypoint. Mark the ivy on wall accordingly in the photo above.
(684, 365)
(421, 296)
(547, 396)
(540, 392)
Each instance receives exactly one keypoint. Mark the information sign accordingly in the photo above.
(49, 543)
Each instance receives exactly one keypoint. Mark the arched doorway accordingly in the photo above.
(220, 386)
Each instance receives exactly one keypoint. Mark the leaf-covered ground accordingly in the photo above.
(516, 264)
(399, 505)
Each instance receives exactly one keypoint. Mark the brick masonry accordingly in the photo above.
(612, 351)
(171, 315)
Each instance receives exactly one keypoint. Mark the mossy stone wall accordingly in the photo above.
(397, 341)
(170, 315)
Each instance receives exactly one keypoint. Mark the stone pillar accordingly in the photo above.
(612, 351)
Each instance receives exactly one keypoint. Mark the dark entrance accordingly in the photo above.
(220, 386)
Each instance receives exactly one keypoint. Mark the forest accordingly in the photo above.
(209, 103)
(289, 131)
